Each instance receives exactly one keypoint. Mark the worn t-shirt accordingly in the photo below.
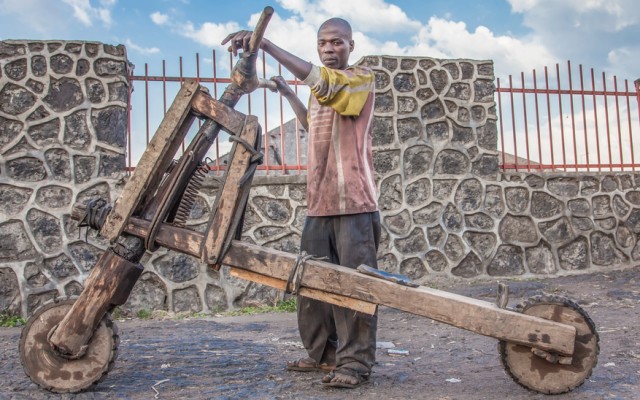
(339, 161)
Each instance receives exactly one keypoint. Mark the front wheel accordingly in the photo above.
(540, 375)
(54, 372)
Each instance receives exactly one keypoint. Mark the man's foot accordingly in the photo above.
(308, 364)
(344, 378)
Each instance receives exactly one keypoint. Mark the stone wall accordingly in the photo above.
(447, 209)
(63, 125)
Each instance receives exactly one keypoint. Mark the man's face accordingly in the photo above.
(334, 46)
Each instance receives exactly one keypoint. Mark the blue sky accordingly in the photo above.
(518, 35)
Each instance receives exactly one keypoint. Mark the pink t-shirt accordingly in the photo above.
(339, 161)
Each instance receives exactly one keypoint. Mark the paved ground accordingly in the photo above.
(243, 357)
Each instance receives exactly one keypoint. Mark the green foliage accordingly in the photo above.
(144, 314)
(10, 321)
(287, 305)
(281, 306)
(117, 313)
(190, 314)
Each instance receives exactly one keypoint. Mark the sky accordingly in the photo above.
(518, 35)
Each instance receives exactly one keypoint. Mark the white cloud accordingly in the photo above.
(84, 12)
(596, 15)
(159, 18)
(142, 50)
(34, 13)
(623, 61)
(296, 35)
(442, 38)
(374, 16)
(438, 38)
(208, 34)
(585, 31)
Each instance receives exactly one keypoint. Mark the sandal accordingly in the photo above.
(308, 364)
(339, 379)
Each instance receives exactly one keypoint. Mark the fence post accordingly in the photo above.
(637, 82)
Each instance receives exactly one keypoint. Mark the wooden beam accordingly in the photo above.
(463, 312)
(172, 237)
(167, 137)
(231, 120)
(332, 298)
(109, 284)
(228, 201)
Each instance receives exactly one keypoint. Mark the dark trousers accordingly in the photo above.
(333, 334)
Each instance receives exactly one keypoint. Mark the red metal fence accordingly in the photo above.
(160, 88)
(548, 122)
(559, 122)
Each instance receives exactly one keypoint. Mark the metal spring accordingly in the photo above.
(190, 194)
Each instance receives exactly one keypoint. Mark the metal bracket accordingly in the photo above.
(502, 297)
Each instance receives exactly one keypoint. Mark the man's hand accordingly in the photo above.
(282, 86)
(238, 40)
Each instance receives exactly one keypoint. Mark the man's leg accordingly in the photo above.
(357, 239)
(315, 319)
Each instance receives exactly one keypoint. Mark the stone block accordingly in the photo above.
(149, 293)
(415, 242)
(46, 133)
(540, 259)
(575, 255)
(10, 298)
(452, 218)
(418, 192)
(469, 267)
(53, 196)
(400, 223)
(110, 125)
(391, 196)
(177, 267)
(454, 248)
(518, 229)
(64, 94)
(482, 243)
(45, 229)
(26, 169)
(187, 300)
(16, 70)
(604, 250)
(416, 161)
(544, 205)
(16, 100)
(508, 261)
(60, 267)
(413, 267)
(468, 196)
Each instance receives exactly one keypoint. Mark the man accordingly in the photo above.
(343, 223)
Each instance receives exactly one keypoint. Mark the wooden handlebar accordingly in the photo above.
(261, 27)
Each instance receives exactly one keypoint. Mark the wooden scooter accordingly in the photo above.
(549, 344)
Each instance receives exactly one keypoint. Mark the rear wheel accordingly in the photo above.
(54, 372)
(540, 375)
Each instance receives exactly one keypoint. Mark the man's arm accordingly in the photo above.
(297, 66)
(294, 101)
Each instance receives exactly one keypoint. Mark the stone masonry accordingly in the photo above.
(63, 126)
(447, 209)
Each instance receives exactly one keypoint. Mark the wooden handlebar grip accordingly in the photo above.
(261, 27)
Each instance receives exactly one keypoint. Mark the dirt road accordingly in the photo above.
(243, 357)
